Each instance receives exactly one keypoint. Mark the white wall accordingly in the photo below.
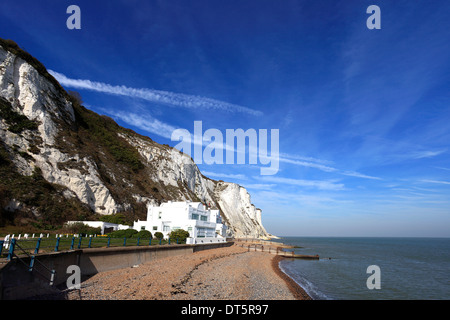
(204, 240)
(102, 225)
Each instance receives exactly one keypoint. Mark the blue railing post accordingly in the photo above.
(109, 242)
(150, 242)
(90, 242)
(30, 268)
(38, 244)
(160, 241)
(177, 240)
(73, 242)
(1, 246)
(11, 249)
(138, 241)
(124, 241)
(169, 240)
(79, 241)
(57, 244)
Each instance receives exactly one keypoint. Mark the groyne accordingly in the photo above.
(273, 247)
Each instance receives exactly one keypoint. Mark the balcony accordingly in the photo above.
(205, 224)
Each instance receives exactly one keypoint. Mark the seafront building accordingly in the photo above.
(202, 223)
(105, 227)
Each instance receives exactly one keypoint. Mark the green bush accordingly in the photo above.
(128, 233)
(118, 218)
(81, 228)
(179, 234)
(145, 234)
(159, 235)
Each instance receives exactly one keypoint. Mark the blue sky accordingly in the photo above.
(363, 115)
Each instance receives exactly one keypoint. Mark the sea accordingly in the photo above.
(405, 268)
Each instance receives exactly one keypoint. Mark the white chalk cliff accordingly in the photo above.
(103, 187)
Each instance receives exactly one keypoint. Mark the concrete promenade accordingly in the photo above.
(17, 282)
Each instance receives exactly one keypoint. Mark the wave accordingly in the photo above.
(306, 285)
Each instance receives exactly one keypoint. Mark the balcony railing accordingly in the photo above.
(205, 224)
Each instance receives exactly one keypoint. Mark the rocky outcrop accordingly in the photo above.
(32, 95)
(101, 180)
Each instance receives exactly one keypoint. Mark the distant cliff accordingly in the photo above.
(60, 161)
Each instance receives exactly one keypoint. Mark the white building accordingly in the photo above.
(193, 217)
(106, 227)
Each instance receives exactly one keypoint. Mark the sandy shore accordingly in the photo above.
(217, 274)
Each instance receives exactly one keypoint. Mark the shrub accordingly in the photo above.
(179, 234)
(118, 218)
(143, 234)
(159, 235)
(81, 228)
(75, 97)
(128, 233)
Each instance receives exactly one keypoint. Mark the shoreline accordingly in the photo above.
(298, 292)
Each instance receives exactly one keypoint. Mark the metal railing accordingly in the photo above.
(14, 246)
(21, 249)
(65, 243)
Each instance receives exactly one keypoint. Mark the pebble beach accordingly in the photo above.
(231, 273)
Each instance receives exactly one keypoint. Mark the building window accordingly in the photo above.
(166, 228)
(159, 215)
(204, 218)
(201, 232)
(143, 228)
(195, 216)
(155, 228)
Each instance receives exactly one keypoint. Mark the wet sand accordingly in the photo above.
(230, 273)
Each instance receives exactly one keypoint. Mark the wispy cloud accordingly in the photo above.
(309, 164)
(427, 154)
(303, 200)
(304, 158)
(260, 186)
(436, 181)
(225, 175)
(320, 165)
(144, 122)
(359, 175)
(442, 168)
(156, 96)
(319, 184)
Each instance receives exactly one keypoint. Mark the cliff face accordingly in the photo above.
(60, 161)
